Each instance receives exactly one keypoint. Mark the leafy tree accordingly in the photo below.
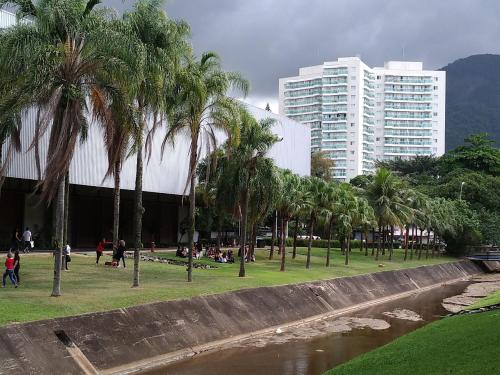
(321, 166)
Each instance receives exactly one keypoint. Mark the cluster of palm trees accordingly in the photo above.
(339, 210)
(75, 64)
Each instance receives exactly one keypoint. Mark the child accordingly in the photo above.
(9, 270)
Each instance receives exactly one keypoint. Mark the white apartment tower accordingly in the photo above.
(359, 114)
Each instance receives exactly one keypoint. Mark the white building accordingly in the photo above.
(360, 114)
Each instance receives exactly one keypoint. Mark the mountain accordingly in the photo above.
(472, 98)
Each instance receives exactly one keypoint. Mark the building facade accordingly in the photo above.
(359, 114)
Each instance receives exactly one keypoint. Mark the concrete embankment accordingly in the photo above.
(131, 339)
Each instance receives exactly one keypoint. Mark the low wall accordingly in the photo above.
(107, 341)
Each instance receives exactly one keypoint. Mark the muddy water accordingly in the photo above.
(315, 355)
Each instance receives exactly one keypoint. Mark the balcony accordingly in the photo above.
(408, 115)
(408, 97)
(335, 71)
(412, 89)
(410, 107)
(302, 84)
(408, 80)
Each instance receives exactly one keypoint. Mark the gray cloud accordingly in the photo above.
(269, 39)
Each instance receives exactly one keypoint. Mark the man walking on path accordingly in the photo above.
(27, 240)
(9, 271)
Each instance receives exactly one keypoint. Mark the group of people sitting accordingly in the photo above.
(210, 252)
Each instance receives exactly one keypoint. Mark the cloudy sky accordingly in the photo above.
(269, 39)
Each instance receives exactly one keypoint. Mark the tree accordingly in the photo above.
(287, 205)
(256, 140)
(62, 62)
(321, 166)
(199, 105)
(386, 196)
(315, 200)
(10, 130)
(163, 46)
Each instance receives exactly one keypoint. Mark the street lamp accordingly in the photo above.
(461, 188)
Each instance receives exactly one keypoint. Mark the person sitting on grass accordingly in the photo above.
(9, 271)
(230, 256)
(120, 253)
(223, 258)
(217, 256)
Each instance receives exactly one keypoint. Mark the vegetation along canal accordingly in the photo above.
(323, 345)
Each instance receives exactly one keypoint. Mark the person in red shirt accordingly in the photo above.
(99, 250)
(9, 270)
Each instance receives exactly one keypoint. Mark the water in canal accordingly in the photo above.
(314, 356)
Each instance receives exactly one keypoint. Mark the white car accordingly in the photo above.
(307, 237)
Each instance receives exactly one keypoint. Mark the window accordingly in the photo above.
(352, 123)
(435, 113)
(435, 141)
(379, 103)
(353, 97)
(353, 142)
(352, 152)
(377, 139)
(378, 77)
(353, 87)
(435, 87)
(436, 79)
(353, 78)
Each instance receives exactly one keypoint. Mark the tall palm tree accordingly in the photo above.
(331, 214)
(256, 139)
(287, 206)
(163, 46)
(315, 201)
(64, 62)
(386, 196)
(347, 216)
(198, 106)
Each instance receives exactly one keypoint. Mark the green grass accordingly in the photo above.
(466, 344)
(87, 288)
(492, 299)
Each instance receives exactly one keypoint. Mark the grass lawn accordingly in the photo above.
(492, 299)
(465, 344)
(89, 288)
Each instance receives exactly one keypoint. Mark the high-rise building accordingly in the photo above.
(359, 114)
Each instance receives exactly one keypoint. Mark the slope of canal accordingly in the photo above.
(297, 351)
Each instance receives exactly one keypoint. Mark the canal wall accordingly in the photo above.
(130, 340)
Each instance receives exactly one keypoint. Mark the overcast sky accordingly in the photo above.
(269, 39)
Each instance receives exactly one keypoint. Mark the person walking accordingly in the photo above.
(9, 271)
(67, 256)
(99, 250)
(17, 266)
(120, 253)
(15, 240)
(27, 240)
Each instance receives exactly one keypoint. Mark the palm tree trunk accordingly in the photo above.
(348, 250)
(433, 244)
(428, 243)
(378, 242)
(406, 242)
(391, 250)
(294, 253)
(219, 233)
(329, 243)
(58, 238)
(412, 241)
(273, 236)
(284, 223)
(138, 211)
(366, 243)
(420, 244)
(253, 242)
(116, 206)
(66, 208)
(373, 241)
(243, 234)
(192, 204)
(309, 245)
(361, 241)
(280, 220)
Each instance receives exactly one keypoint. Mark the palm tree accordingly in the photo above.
(385, 194)
(163, 46)
(315, 201)
(347, 216)
(287, 206)
(331, 214)
(256, 140)
(199, 105)
(63, 62)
